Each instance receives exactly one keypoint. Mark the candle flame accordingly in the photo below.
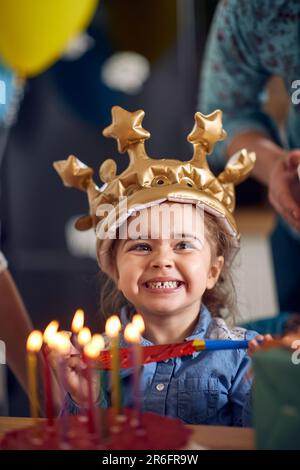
(131, 333)
(50, 330)
(113, 326)
(34, 341)
(78, 321)
(138, 322)
(98, 340)
(61, 342)
(84, 336)
(51, 340)
(92, 349)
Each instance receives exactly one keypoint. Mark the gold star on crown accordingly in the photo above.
(147, 180)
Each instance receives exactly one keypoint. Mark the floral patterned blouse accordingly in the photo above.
(250, 41)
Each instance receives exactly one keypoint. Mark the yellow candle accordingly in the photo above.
(112, 329)
(34, 344)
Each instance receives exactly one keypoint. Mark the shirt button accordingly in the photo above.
(160, 387)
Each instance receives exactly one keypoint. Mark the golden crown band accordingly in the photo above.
(147, 181)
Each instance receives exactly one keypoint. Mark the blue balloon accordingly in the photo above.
(7, 88)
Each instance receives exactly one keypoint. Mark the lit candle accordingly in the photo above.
(61, 343)
(77, 323)
(98, 341)
(84, 336)
(138, 322)
(49, 332)
(102, 414)
(34, 344)
(132, 335)
(112, 329)
(91, 352)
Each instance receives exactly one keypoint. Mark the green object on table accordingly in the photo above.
(276, 399)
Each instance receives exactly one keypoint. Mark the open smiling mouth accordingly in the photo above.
(163, 285)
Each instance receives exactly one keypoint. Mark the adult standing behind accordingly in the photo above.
(15, 325)
(251, 41)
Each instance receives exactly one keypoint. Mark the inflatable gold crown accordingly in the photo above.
(147, 180)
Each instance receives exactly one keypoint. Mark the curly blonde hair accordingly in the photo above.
(221, 297)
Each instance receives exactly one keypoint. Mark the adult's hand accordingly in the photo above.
(284, 188)
(277, 169)
(15, 326)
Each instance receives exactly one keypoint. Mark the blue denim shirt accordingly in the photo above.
(207, 387)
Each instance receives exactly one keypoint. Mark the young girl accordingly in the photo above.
(170, 264)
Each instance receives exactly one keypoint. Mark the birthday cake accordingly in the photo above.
(73, 434)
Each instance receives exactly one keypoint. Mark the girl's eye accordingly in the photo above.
(140, 247)
(184, 245)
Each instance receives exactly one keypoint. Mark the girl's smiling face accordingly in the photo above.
(167, 276)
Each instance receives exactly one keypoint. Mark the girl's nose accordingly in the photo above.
(162, 260)
(159, 264)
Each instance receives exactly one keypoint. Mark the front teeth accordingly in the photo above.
(163, 285)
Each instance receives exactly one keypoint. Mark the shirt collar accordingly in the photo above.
(198, 333)
(202, 325)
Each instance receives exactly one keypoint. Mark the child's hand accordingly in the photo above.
(259, 342)
(75, 380)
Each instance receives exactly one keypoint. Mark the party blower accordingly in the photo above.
(163, 352)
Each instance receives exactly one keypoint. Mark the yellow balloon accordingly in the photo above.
(34, 33)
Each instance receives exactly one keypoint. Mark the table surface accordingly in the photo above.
(211, 437)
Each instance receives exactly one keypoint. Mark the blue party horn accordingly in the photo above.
(218, 345)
